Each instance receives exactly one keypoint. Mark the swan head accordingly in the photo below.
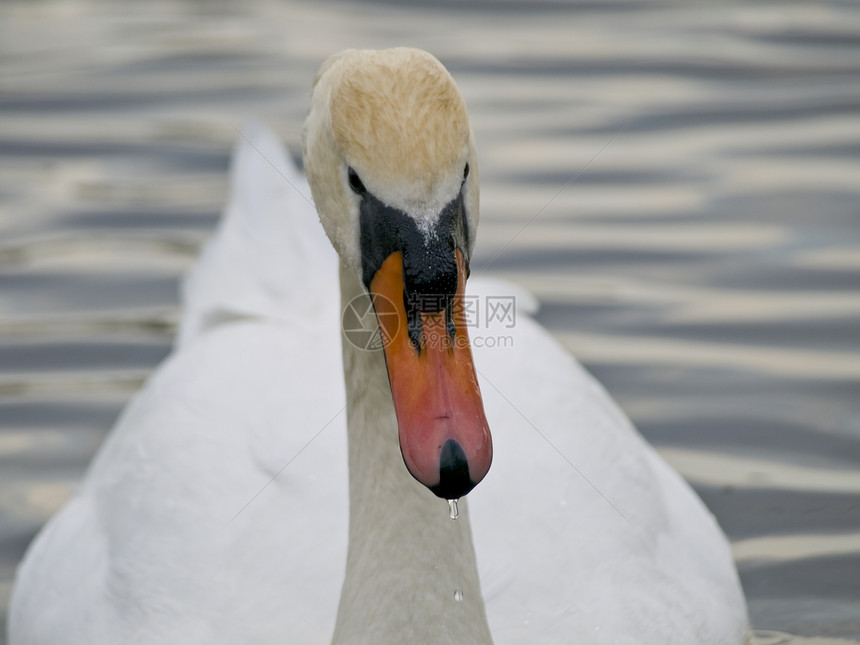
(391, 162)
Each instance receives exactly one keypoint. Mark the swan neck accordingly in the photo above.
(408, 562)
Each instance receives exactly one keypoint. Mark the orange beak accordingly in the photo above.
(444, 436)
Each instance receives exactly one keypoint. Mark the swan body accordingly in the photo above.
(220, 509)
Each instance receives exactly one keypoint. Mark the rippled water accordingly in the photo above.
(680, 185)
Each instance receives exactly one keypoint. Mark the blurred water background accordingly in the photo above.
(688, 176)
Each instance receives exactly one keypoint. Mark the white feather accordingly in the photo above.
(216, 510)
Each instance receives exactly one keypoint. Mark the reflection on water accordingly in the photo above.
(688, 180)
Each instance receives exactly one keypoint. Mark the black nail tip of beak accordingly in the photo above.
(454, 481)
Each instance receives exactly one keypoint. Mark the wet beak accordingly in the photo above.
(444, 436)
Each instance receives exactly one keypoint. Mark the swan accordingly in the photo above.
(276, 481)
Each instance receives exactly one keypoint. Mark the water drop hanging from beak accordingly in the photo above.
(453, 510)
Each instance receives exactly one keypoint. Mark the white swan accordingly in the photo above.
(216, 510)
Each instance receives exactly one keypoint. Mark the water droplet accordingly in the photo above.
(453, 510)
(458, 595)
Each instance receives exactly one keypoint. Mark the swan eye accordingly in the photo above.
(355, 183)
(465, 172)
